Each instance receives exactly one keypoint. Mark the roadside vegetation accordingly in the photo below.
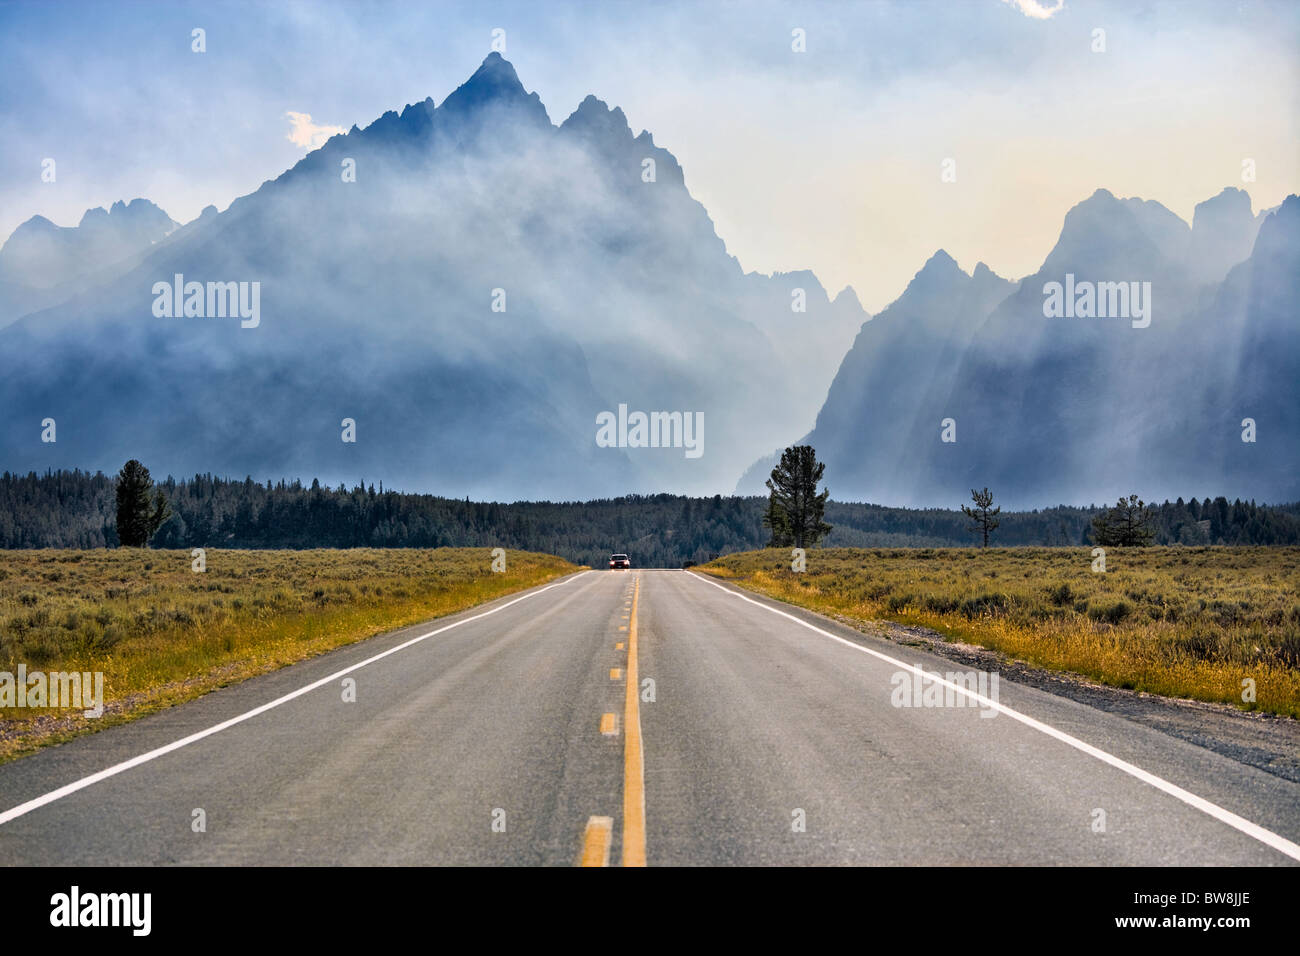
(1182, 622)
(162, 632)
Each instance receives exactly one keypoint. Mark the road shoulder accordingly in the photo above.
(1263, 741)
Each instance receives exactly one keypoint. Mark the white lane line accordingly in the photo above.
(1254, 830)
(94, 778)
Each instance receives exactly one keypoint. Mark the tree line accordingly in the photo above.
(77, 509)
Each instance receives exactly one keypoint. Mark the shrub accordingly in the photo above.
(1061, 595)
(987, 603)
(1111, 613)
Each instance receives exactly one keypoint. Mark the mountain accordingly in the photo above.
(890, 388)
(42, 264)
(811, 343)
(1223, 234)
(1050, 408)
(472, 285)
(42, 254)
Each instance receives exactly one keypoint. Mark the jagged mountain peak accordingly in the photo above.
(1104, 234)
(498, 69)
(495, 81)
(1223, 233)
(940, 267)
(136, 214)
(41, 255)
(985, 278)
(939, 276)
(941, 259)
(36, 224)
(1232, 205)
(594, 116)
(137, 211)
(495, 84)
(1103, 205)
(92, 216)
(593, 105)
(1281, 225)
(425, 106)
(1229, 196)
(848, 297)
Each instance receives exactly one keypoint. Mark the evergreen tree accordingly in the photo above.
(794, 508)
(1128, 524)
(137, 519)
(983, 514)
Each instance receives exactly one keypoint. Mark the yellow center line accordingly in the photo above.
(595, 842)
(609, 724)
(615, 673)
(633, 761)
(618, 646)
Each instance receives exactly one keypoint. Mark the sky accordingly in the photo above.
(832, 158)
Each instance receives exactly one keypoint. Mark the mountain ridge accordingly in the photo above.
(379, 303)
(1049, 409)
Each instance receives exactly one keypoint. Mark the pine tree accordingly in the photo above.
(137, 520)
(794, 508)
(1128, 524)
(982, 515)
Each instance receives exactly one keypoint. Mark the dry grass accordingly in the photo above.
(1183, 622)
(161, 633)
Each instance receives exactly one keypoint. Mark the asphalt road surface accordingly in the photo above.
(637, 717)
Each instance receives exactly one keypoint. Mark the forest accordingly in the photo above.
(76, 509)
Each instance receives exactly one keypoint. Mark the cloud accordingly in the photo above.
(1035, 10)
(307, 134)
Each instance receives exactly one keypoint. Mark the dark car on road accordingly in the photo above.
(620, 562)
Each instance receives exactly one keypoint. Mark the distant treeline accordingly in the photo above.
(75, 509)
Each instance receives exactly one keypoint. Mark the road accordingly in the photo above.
(511, 735)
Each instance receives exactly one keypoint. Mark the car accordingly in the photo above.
(620, 562)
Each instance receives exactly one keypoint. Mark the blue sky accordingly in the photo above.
(828, 159)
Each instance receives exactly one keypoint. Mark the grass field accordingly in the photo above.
(162, 633)
(1183, 622)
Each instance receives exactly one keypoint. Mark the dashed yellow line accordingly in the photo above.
(596, 839)
(633, 760)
